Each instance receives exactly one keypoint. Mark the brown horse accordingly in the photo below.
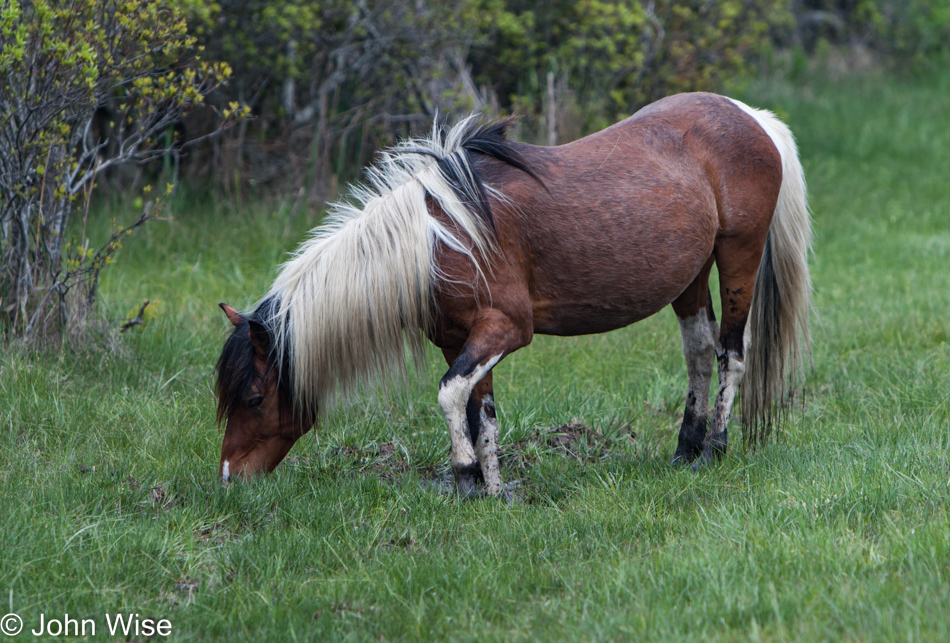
(477, 243)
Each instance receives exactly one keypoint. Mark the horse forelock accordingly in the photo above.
(362, 284)
(235, 371)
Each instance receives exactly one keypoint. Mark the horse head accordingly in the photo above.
(257, 403)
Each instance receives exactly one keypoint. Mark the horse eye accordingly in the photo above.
(255, 402)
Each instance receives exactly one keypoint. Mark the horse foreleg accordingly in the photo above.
(465, 397)
(455, 393)
(483, 431)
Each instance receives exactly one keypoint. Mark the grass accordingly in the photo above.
(839, 531)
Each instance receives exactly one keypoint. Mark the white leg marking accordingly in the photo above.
(731, 369)
(225, 471)
(699, 347)
(453, 396)
(487, 448)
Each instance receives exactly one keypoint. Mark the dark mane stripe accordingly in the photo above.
(486, 140)
(492, 140)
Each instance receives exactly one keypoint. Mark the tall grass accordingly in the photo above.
(840, 530)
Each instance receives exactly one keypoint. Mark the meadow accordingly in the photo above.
(837, 530)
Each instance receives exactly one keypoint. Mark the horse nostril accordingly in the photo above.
(225, 472)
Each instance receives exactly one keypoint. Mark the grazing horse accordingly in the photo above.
(476, 243)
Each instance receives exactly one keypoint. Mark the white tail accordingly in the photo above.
(780, 340)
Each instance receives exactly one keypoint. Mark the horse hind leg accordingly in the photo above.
(698, 327)
(737, 266)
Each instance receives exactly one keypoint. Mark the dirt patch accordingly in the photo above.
(390, 461)
(567, 435)
(582, 442)
(387, 460)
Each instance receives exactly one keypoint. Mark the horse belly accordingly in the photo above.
(615, 268)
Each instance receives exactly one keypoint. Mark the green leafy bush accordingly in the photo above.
(904, 31)
(610, 58)
(84, 85)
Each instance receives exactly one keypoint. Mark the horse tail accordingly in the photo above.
(779, 340)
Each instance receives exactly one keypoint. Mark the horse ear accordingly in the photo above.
(260, 339)
(234, 316)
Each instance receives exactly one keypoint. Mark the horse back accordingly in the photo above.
(625, 218)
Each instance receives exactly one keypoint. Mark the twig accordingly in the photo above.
(137, 320)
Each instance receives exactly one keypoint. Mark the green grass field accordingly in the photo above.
(109, 500)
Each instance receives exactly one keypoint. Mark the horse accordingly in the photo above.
(476, 243)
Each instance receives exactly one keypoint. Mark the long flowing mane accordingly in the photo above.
(339, 308)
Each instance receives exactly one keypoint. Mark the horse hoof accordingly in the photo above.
(467, 477)
(711, 454)
(702, 462)
(471, 489)
(683, 458)
(466, 487)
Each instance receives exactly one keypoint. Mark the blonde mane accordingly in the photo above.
(340, 306)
